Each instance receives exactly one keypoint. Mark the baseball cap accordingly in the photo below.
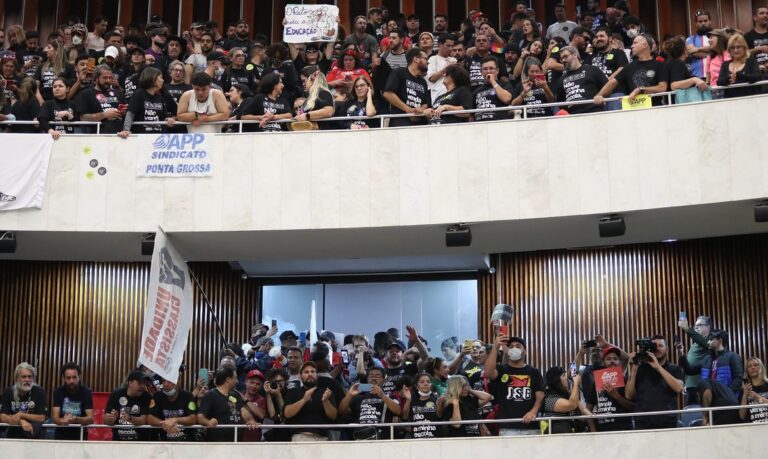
(255, 374)
(398, 343)
(197, 25)
(136, 50)
(477, 16)
(308, 363)
(611, 350)
(426, 33)
(517, 339)
(288, 334)
(112, 52)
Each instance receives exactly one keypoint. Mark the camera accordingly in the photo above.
(645, 347)
(274, 385)
(590, 343)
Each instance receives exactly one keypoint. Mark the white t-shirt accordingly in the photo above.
(94, 42)
(437, 63)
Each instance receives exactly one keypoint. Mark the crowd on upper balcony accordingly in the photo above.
(121, 76)
(310, 385)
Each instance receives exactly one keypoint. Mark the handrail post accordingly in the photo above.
(236, 429)
(711, 416)
(82, 429)
(391, 431)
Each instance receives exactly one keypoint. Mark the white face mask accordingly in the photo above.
(77, 40)
(632, 33)
(514, 354)
(170, 393)
(424, 394)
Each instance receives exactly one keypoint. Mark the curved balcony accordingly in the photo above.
(676, 171)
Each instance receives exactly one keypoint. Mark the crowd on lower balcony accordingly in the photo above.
(123, 76)
(318, 384)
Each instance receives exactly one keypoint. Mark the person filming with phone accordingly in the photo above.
(368, 404)
(699, 349)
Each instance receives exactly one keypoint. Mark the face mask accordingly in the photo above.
(170, 393)
(159, 44)
(514, 354)
(219, 73)
(632, 33)
(424, 394)
(77, 40)
(704, 30)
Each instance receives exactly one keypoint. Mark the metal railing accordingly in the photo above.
(382, 120)
(392, 426)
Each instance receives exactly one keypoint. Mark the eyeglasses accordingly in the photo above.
(177, 70)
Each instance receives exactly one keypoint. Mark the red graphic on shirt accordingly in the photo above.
(520, 381)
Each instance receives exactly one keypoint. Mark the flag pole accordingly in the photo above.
(208, 305)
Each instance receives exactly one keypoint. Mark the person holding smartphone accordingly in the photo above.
(369, 404)
(533, 89)
(699, 335)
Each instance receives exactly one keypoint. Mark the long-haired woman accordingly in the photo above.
(59, 108)
(55, 66)
(268, 106)
(755, 391)
(461, 404)
(560, 400)
(26, 107)
(319, 102)
(426, 407)
(741, 68)
(359, 102)
(533, 89)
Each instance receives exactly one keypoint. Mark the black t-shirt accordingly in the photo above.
(324, 99)
(425, 411)
(310, 413)
(25, 111)
(582, 84)
(515, 391)
(128, 407)
(461, 96)
(653, 394)
(163, 408)
(354, 107)
(678, 70)
(147, 107)
(536, 96)
(755, 39)
(243, 75)
(411, 90)
(638, 74)
(131, 85)
(554, 75)
(609, 61)
(262, 104)
(758, 415)
(603, 404)
(74, 403)
(485, 97)
(176, 90)
(96, 101)
(226, 410)
(468, 408)
(394, 374)
(48, 114)
(473, 66)
(46, 76)
(34, 402)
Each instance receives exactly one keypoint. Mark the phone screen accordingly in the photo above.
(202, 374)
(274, 322)
(504, 329)
(364, 387)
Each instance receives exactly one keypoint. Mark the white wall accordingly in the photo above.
(697, 443)
(672, 156)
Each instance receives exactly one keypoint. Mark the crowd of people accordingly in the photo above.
(290, 380)
(124, 77)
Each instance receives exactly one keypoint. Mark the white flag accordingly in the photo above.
(313, 326)
(23, 170)
(168, 317)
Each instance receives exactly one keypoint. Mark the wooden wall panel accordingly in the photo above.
(92, 313)
(628, 292)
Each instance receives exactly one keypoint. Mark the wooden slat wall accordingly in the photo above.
(92, 313)
(627, 292)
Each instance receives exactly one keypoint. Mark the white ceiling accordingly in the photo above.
(394, 249)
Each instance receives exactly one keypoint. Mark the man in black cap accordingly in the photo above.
(518, 387)
(176, 48)
(288, 339)
(397, 366)
(128, 406)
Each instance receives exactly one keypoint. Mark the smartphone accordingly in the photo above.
(364, 387)
(91, 64)
(345, 357)
(274, 323)
(504, 330)
(676, 339)
(574, 370)
(468, 343)
(682, 316)
(590, 343)
(540, 77)
(202, 374)
(303, 338)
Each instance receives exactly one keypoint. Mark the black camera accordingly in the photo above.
(645, 347)
(590, 343)
(274, 385)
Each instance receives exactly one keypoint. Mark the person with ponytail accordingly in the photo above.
(319, 102)
(55, 66)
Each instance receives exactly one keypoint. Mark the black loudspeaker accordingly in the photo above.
(612, 226)
(7, 242)
(148, 244)
(458, 236)
(761, 212)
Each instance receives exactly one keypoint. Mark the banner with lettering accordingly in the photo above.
(168, 316)
(24, 162)
(306, 23)
(175, 155)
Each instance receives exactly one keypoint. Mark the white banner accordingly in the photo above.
(23, 170)
(175, 155)
(168, 317)
(305, 23)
